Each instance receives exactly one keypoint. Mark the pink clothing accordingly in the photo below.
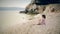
(41, 21)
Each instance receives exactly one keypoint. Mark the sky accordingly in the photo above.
(14, 3)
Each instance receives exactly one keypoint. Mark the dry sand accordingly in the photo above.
(14, 23)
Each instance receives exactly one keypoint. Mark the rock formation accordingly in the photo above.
(38, 6)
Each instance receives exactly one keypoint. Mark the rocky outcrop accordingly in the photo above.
(39, 6)
(33, 8)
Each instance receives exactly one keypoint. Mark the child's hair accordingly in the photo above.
(43, 16)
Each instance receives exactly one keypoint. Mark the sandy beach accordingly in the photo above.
(12, 22)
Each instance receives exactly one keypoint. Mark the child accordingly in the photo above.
(42, 21)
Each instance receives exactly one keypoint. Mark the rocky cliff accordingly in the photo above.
(39, 6)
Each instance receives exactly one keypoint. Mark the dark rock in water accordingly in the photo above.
(23, 12)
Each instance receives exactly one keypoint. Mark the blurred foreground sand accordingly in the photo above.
(14, 23)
